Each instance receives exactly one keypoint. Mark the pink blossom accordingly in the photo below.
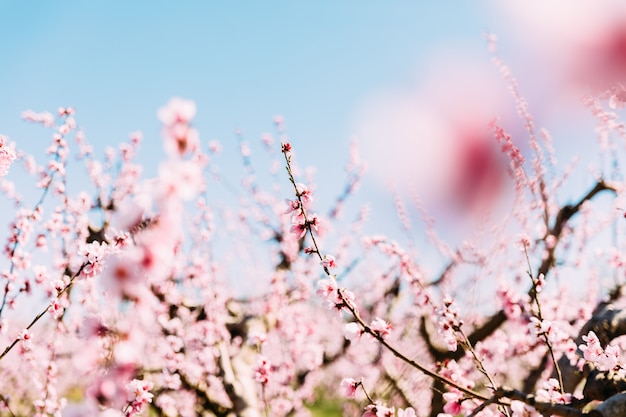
(348, 296)
(299, 229)
(179, 137)
(610, 359)
(599, 56)
(327, 288)
(540, 283)
(65, 111)
(605, 359)
(378, 410)
(123, 274)
(138, 396)
(348, 387)
(380, 327)
(26, 339)
(617, 97)
(521, 409)
(179, 180)
(94, 254)
(592, 350)
(453, 407)
(92, 326)
(45, 118)
(314, 222)
(300, 224)
(524, 242)
(304, 193)
(130, 213)
(41, 242)
(215, 147)
(449, 323)
(328, 262)
(267, 139)
(112, 387)
(136, 137)
(292, 205)
(539, 327)
(244, 149)
(262, 370)
(177, 110)
(41, 273)
(550, 391)
(352, 330)
(56, 309)
(7, 156)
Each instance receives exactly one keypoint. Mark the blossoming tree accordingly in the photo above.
(118, 299)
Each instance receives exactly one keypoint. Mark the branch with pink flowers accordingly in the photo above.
(342, 299)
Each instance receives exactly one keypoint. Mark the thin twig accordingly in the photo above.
(41, 314)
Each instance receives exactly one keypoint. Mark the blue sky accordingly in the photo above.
(242, 62)
(315, 63)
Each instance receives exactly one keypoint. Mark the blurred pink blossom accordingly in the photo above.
(177, 110)
(7, 156)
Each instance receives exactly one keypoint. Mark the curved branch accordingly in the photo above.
(563, 216)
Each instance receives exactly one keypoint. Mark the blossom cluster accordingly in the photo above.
(160, 299)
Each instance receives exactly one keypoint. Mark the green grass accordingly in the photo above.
(326, 408)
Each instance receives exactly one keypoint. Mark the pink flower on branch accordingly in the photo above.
(328, 262)
(292, 205)
(378, 410)
(540, 327)
(327, 288)
(314, 222)
(262, 371)
(66, 111)
(304, 193)
(138, 396)
(348, 387)
(285, 147)
(93, 254)
(453, 402)
(56, 309)
(352, 330)
(521, 409)
(380, 327)
(449, 323)
(550, 391)
(605, 359)
(299, 228)
(338, 298)
(301, 224)
(26, 339)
